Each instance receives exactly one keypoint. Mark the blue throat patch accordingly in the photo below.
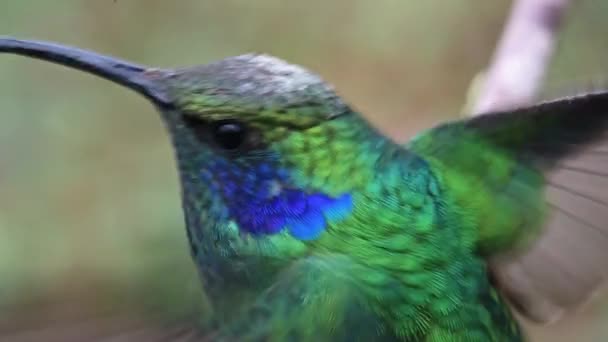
(261, 205)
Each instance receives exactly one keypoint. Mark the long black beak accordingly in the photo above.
(144, 80)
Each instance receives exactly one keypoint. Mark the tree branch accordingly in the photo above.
(520, 61)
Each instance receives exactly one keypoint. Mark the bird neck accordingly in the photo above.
(336, 157)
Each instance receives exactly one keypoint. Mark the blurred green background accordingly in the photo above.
(90, 218)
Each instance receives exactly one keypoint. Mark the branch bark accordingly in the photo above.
(519, 65)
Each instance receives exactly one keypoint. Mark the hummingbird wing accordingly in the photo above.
(538, 177)
(314, 299)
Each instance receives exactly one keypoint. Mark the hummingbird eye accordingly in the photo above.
(229, 134)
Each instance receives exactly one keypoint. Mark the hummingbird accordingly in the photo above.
(307, 223)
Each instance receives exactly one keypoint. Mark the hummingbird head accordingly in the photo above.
(268, 144)
(267, 152)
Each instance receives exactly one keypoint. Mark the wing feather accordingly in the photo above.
(566, 143)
